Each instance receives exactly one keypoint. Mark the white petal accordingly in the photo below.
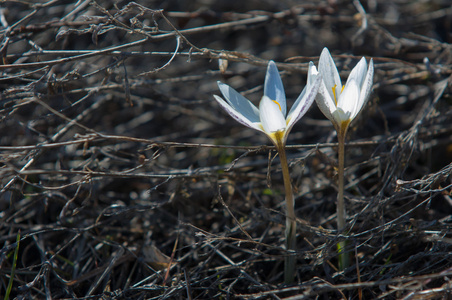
(323, 98)
(329, 72)
(304, 101)
(237, 115)
(340, 117)
(272, 119)
(325, 103)
(312, 76)
(366, 87)
(273, 87)
(239, 103)
(312, 73)
(349, 99)
(358, 73)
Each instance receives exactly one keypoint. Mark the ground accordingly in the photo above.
(122, 177)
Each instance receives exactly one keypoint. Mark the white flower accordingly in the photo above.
(342, 103)
(271, 117)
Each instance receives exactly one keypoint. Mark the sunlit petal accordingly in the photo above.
(329, 72)
(312, 76)
(239, 103)
(358, 73)
(349, 98)
(271, 116)
(237, 115)
(312, 73)
(304, 101)
(273, 87)
(325, 102)
(366, 87)
(323, 99)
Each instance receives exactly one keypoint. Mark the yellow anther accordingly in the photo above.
(278, 104)
(334, 94)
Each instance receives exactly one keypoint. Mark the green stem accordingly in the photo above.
(344, 258)
(340, 183)
(291, 224)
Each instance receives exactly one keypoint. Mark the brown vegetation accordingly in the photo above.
(126, 180)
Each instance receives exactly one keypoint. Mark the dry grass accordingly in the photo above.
(116, 162)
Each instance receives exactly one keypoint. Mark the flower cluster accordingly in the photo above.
(339, 103)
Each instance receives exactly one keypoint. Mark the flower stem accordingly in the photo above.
(344, 258)
(291, 224)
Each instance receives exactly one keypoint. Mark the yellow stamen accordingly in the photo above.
(278, 104)
(334, 92)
